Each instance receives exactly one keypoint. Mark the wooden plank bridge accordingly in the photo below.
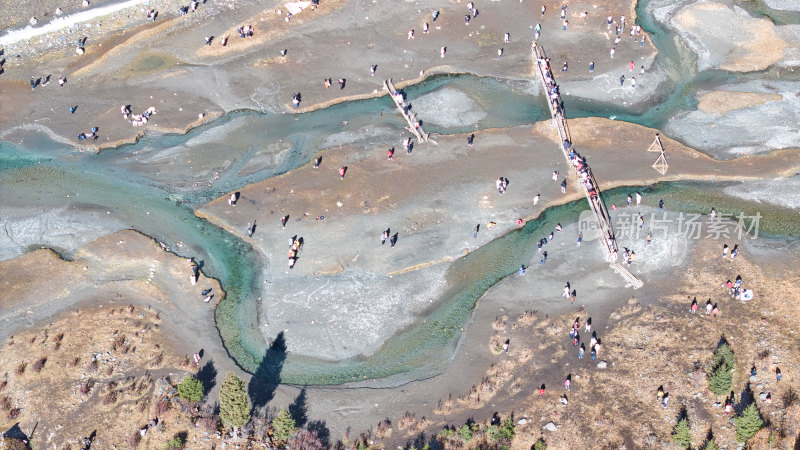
(583, 173)
(414, 125)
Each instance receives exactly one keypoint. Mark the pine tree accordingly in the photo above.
(720, 380)
(682, 435)
(191, 388)
(748, 423)
(283, 425)
(723, 353)
(234, 405)
(710, 445)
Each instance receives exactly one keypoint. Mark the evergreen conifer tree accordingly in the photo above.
(191, 388)
(682, 435)
(748, 423)
(234, 404)
(283, 425)
(721, 379)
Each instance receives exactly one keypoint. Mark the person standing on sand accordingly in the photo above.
(581, 350)
(541, 388)
(506, 37)
(709, 306)
(442, 51)
(342, 171)
(393, 240)
(544, 8)
(565, 294)
(555, 176)
(470, 139)
(568, 382)
(384, 236)
(622, 81)
(694, 305)
(714, 311)
(536, 199)
(778, 375)
(543, 259)
(475, 231)
(588, 325)
(725, 250)
(580, 239)
(591, 66)
(390, 154)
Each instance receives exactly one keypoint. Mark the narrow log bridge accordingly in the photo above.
(584, 175)
(405, 109)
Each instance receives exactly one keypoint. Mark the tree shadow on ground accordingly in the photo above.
(299, 409)
(709, 438)
(682, 414)
(321, 429)
(208, 376)
(745, 399)
(422, 441)
(15, 432)
(268, 375)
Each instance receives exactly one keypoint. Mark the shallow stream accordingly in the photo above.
(151, 189)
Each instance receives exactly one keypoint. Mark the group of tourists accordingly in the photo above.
(295, 244)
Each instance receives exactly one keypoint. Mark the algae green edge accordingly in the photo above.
(425, 348)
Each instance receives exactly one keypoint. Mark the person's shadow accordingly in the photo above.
(268, 374)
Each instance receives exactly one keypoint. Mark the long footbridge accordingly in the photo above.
(583, 173)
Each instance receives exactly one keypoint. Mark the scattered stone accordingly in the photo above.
(550, 426)
(602, 365)
(522, 421)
